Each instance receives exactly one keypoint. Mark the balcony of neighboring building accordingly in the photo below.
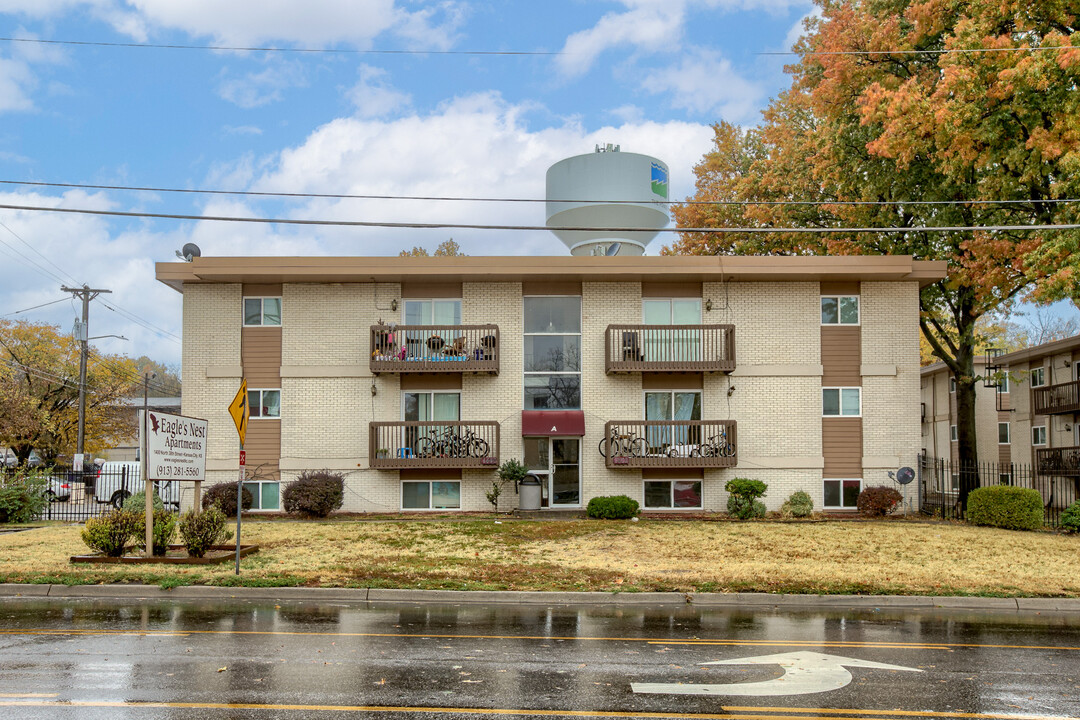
(669, 348)
(1058, 462)
(428, 444)
(434, 349)
(1060, 399)
(669, 444)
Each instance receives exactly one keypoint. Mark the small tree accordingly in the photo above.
(743, 501)
(510, 471)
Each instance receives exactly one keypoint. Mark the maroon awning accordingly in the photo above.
(552, 422)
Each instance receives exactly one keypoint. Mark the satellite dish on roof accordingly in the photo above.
(189, 252)
(612, 249)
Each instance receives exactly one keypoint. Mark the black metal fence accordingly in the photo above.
(75, 496)
(941, 481)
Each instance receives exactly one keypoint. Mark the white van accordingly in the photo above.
(117, 480)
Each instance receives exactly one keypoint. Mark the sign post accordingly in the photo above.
(240, 411)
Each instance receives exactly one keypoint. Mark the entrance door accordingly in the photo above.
(557, 462)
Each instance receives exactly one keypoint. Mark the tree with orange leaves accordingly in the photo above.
(971, 105)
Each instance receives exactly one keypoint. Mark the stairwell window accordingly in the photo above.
(1003, 433)
(262, 311)
(1038, 435)
(1038, 377)
(840, 310)
(264, 404)
(841, 402)
(552, 344)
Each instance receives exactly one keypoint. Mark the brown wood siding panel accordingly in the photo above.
(533, 287)
(261, 356)
(839, 288)
(1005, 403)
(675, 473)
(432, 474)
(672, 381)
(430, 381)
(841, 356)
(424, 290)
(1004, 454)
(842, 446)
(671, 289)
(262, 289)
(263, 448)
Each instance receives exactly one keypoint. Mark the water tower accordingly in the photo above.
(626, 189)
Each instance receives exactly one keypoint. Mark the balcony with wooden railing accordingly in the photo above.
(669, 443)
(1058, 462)
(669, 348)
(419, 444)
(435, 348)
(1060, 399)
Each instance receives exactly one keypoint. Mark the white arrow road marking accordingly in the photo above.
(804, 673)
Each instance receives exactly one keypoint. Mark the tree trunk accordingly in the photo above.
(967, 441)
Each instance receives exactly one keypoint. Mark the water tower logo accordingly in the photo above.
(659, 180)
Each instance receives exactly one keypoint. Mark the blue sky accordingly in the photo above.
(650, 75)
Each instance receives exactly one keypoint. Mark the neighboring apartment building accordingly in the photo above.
(993, 419)
(417, 376)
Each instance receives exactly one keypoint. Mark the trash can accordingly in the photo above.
(530, 493)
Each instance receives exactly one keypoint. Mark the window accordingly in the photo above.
(666, 344)
(1038, 377)
(264, 403)
(1003, 383)
(952, 384)
(840, 310)
(672, 405)
(433, 312)
(1038, 435)
(435, 495)
(1004, 478)
(552, 353)
(837, 402)
(1003, 433)
(842, 494)
(672, 494)
(428, 406)
(260, 311)
(952, 433)
(265, 495)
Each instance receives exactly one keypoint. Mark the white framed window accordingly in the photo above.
(264, 404)
(432, 311)
(1038, 435)
(664, 344)
(265, 495)
(672, 405)
(431, 495)
(841, 402)
(952, 433)
(839, 309)
(952, 384)
(1003, 383)
(841, 493)
(1038, 377)
(1003, 433)
(262, 311)
(671, 494)
(1004, 478)
(428, 405)
(552, 357)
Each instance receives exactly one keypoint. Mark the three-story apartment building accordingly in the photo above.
(655, 377)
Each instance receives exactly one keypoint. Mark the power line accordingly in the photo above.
(36, 307)
(455, 198)
(20, 238)
(475, 226)
(300, 50)
(133, 376)
(944, 51)
(140, 321)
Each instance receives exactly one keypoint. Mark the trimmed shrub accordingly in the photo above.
(200, 530)
(878, 501)
(1005, 506)
(315, 493)
(798, 505)
(1070, 518)
(743, 498)
(224, 496)
(23, 498)
(137, 503)
(111, 533)
(612, 507)
(164, 530)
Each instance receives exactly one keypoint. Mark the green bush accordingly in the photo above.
(23, 497)
(1005, 506)
(137, 503)
(111, 533)
(798, 505)
(315, 493)
(743, 494)
(612, 507)
(878, 501)
(200, 530)
(224, 496)
(1070, 519)
(163, 532)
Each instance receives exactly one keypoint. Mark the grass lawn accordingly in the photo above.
(888, 557)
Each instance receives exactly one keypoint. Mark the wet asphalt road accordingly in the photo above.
(121, 659)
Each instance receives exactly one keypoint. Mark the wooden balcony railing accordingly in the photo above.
(1060, 399)
(669, 348)
(1059, 462)
(435, 348)
(433, 444)
(669, 443)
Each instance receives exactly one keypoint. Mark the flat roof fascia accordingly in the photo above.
(1040, 351)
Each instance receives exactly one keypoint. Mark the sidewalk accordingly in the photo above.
(754, 601)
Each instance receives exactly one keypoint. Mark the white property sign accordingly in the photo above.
(175, 447)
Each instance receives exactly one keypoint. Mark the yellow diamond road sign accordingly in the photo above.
(239, 410)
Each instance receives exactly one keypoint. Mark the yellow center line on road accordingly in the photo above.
(566, 638)
(728, 713)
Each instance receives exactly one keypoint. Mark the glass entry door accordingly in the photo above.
(557, 462)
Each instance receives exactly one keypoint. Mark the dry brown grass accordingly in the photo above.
(832, 557)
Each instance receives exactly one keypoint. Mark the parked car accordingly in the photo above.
(118, 480)
(59, 489)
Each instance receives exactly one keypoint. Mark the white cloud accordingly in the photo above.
(262, 88)
(798, 30)
(242, 130)
(373, 96)
(703, 82)
(647, 24)
(16, 81)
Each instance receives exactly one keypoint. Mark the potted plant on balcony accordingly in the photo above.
(382, 453)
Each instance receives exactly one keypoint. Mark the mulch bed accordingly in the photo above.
(177, 555)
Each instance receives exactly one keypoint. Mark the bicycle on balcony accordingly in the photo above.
(446, 443)
(626, 444)
(717, 445)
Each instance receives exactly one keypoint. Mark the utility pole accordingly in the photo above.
(86, 294)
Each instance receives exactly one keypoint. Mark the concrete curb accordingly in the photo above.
(749, 601)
